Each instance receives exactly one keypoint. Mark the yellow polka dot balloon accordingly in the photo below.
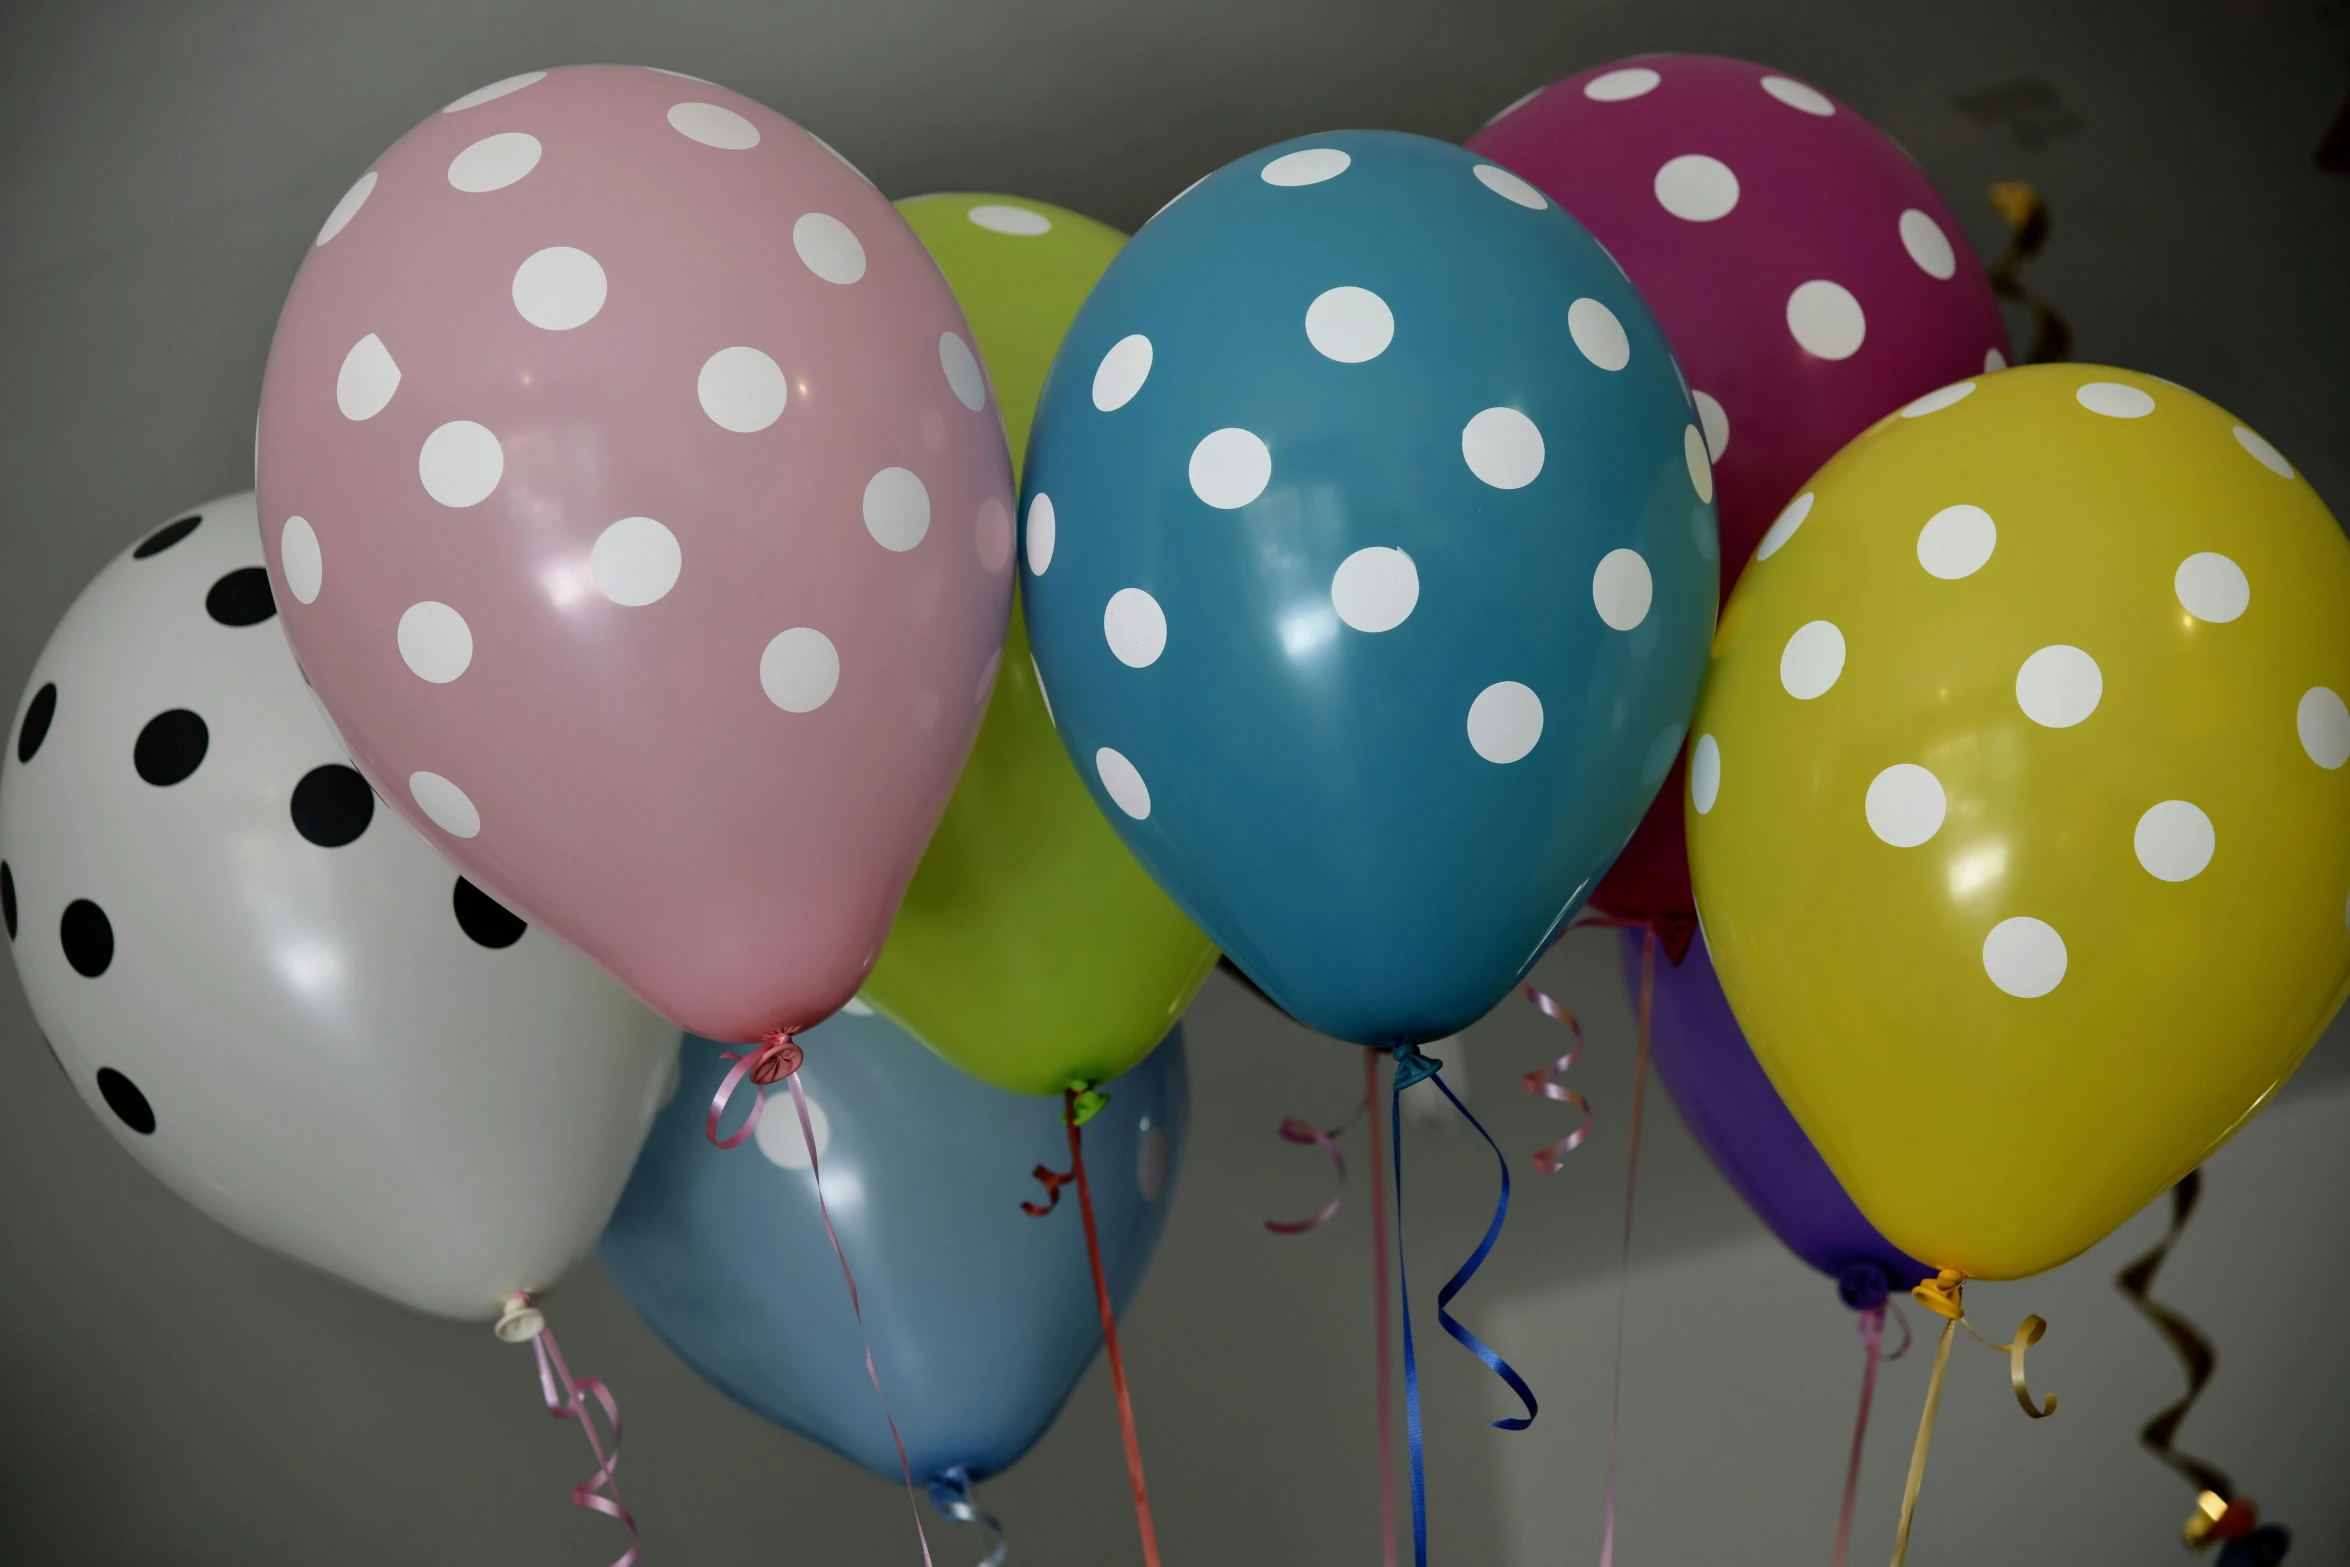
(2017, 806)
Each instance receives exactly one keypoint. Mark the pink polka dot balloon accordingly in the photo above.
(1808, 276)
(634, 500)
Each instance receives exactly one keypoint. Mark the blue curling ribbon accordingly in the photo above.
(1413, 1067)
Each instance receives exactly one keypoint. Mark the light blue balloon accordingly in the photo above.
(1381, 782)
(982, 1318)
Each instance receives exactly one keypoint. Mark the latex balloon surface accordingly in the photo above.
(1370, 562)
(631, 486)
(277, 997)
(981, 1317)
(1808, 275)
(1729, 1106)
(2017, 804)
(1031, 949)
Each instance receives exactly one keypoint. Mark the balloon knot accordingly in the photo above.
(777, 1058)
(2217, 1519)
(521, 1321)
(1943, 1295)
(1084, 1102)
(1412, 1067)
(1863, 1286)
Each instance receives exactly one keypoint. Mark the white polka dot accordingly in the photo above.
(1509, 187)
(2324, 724)
(1797, 95)
(1349, 325)
(1826, 319)
(1517, 103)
(481, 95)
(1630, 81)
(2024, 957)
(635, 561)
(1502, 447)
(1621, 589)
(1505, 721)
(1309, 167)
(1121, 373)
(782, 1142)
(1599, 334)
(1701, 468)
(559, 288)
(987, 674)
(1006, 219)
(964, 377)
(435, 642)
(347, 208)
(2115, 400)
(991, 535)
(1230, 468)
(713, 125)
(297, 552)
(1705, 773)
(494, 162)
(1905, 805)
(800, 669)
(827, 247)
(1041, 531)
(2268, 456)
(1123, 783)
(1135, 627)
(1956, 541)
(365, 384)
(2212, 587)
(2175, 841)
(1993, 361)
(897, 509)
(444, 805)
(1927, 245)
(1714, 419)
(2059, 686)
(1784, 527)
(460, 463)
(742, 390)
(1696, 188)
(1375, 589)
(1812, 660)
(1935, 401)
(1661, 752)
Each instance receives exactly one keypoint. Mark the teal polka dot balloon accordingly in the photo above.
(1370, 564)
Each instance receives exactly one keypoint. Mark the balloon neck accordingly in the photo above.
(1863, 1286)
(1084, 1101)
(1943, 1295)
(1413, 1067)
(777, 1058)
(521, 1321)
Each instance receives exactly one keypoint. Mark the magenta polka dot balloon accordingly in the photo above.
(1808, 276)
(627, 517)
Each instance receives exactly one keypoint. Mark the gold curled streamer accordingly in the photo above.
(2028, 222)
(1945, 1296)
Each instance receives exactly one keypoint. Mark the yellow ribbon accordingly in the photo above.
(1945, 1296)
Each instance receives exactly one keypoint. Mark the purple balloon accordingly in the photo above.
(1742, 1124)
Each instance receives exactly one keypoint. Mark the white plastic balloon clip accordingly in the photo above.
(521, 1321)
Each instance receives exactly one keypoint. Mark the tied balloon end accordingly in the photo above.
(1863, 1286)
(519, 1321)
(953, 1494)
(1413, 1067)
(2217, 1520)
(778, 1058)
(1944, 1294)
(1083, 1102)
(779, 1055)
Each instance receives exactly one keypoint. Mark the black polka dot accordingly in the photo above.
(8, 897)
(35, 728)
(170, 747)
(165, 537)
(332, 805)
(88, 936)
(484, 918)
(122, 1096)
(241, 598)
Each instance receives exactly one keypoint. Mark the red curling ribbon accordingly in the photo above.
(567, 1398)
(1542, 1082)
(1648, 946)
(1379, 1320)
(1101, 1300)
(799, 1102)
(777, 1058)
(1305, 1134)
(1053, 1181)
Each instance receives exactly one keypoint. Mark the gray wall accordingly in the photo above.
(169, 1393)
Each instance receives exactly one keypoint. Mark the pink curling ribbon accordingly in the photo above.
(1379, 1317)
(1542, 1081)
(777, 1058)
(1305, 1134)
(567, 1400)
(799, 1102)
(1872, 1339)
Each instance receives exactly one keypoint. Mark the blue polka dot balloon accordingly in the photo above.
(1370, 567)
